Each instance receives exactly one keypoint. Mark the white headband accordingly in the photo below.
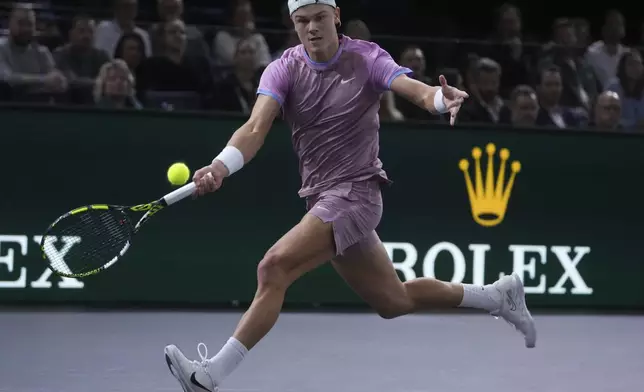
(294, 5)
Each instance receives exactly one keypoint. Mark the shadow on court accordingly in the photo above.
(68, 351)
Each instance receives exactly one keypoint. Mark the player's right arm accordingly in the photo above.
(242, 146)
(249, 138)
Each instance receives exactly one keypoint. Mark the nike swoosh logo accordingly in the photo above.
(346, 81)
(193, 379)
(510, 301)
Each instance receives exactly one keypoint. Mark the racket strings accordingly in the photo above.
(100, 236)
(111, 230)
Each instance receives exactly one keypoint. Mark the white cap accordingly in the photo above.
(294, 5)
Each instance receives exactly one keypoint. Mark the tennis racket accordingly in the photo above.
(102, 233)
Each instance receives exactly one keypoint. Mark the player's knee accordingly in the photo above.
(390, 312)
(394, 307)
(272, 270)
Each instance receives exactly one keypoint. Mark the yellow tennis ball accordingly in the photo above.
(178, 173)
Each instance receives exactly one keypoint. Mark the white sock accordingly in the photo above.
(226, 360)
(481, 297)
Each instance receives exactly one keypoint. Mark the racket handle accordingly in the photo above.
(181, 193)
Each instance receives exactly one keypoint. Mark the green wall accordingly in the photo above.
(572, 226)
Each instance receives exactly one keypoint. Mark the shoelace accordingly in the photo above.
(205, 362)
(204, 356)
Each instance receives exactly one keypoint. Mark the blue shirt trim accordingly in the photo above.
(394, 76)
(270, 94)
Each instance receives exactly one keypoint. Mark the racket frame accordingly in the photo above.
(150, 209)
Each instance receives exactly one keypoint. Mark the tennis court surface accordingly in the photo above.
(76, 351)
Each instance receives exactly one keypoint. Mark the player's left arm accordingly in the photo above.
(386, 74)
(435, 99)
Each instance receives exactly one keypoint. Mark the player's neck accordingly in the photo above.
(327, 54)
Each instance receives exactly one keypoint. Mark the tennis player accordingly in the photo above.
(329, 89)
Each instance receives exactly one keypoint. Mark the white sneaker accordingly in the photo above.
(514, 309)
(192, 375)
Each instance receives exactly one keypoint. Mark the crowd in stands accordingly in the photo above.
(572, 81)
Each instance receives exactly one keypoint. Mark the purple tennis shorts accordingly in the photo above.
(355, 208)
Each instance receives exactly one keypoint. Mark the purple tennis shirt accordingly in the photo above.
(332, 109)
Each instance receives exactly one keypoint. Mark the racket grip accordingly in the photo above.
(181, 193)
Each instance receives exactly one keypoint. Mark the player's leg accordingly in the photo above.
(306, 246)
(369, 272)
(366, 267)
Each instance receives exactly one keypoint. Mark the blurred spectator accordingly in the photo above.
(485, 104)
(242, 25)
(173, 62)
(290, 39)
(114, 86)
(130, 48)
(236, 92)
(523, 106)
(285, 17)
(507, 49)
(453, 77)
(389, 107)
(79, 61)
(604, 55)
(580, 86)
(47, 29)
(471, 62)
(551, 113)
(413, 58)
(26, 66)
(607, 112)
(629, 85)
(170, 10)
(582, 33)
(173, 71)
(357, 29)
(109, 32)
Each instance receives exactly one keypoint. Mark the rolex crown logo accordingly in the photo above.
(489, 198)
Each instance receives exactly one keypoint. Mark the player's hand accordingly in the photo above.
(209, 178)
(453, 98)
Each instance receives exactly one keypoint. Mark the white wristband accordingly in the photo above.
(232, 158)
(439, 104)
